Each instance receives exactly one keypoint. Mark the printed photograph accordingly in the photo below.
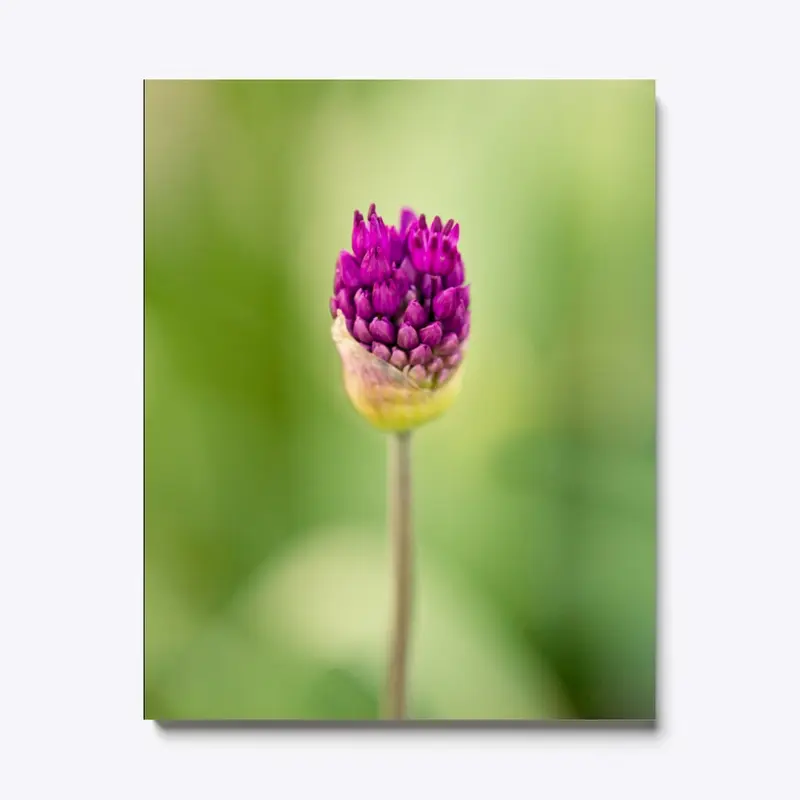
(400, 401)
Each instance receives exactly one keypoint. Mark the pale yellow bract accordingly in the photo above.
(385, 395)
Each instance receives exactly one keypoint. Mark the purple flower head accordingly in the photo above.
(401, 290)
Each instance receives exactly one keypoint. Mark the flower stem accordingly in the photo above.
(400, 534)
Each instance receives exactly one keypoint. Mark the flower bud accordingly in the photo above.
(444, 304)
(363, 304)
(350, 272)
(360, 237)
(361, 331)
(401, 318)
(386, 298)
(431, 334)
(382, 330)
(415, 315)
(381, 351)
(421, 355)
(407, 337)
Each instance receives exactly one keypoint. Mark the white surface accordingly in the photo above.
(71, 422)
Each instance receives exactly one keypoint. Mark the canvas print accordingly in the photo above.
(400, 401)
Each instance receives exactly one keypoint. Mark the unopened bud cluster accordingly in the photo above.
(402, 294)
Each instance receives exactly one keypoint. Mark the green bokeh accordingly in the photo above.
(266, 561)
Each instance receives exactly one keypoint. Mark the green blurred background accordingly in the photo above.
(266, 560)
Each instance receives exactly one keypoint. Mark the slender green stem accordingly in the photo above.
(400, 534)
